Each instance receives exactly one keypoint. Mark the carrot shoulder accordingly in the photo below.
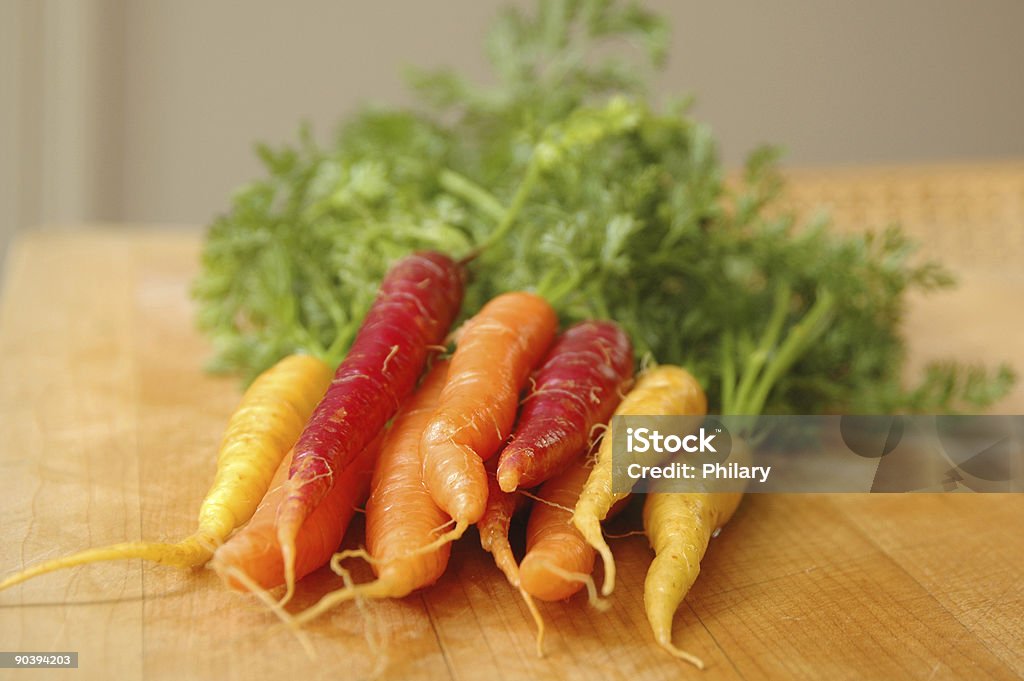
(497, 350)
(265, 425)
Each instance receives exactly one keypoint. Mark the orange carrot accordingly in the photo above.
(401, 516)
(494, 525)
(558, 560)
(254, 550)
(478, 405)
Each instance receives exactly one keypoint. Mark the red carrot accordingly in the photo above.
(577, 387)
(401, 516)
(418, 300)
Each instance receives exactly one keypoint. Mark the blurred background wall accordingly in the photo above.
(146, 110)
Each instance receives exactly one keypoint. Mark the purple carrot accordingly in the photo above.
(417, 302)
(577, 387)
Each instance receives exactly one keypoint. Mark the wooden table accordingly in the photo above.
(108, 426)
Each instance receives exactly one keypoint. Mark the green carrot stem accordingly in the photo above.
(518, 200)
(802, 335)
(728, 371)
(473, 194)
(756, 360)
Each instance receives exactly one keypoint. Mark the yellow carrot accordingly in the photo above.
(266, 424)
(661, 391)
(679, 527)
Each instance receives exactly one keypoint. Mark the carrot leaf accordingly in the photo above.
(564, 177)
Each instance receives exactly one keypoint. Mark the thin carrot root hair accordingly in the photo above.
(682, 654)
(373, 642)
(531, 605)
(586, 580)
(546, 502)
(274, 606)
(647, 362)
(593, 439)
(534, 392)
(447, 538)
(444, 525)
(351, 553)
(631, 533)
(387, 360)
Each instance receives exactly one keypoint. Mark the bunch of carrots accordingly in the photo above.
(434, 441)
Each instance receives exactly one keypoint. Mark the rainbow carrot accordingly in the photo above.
(401, 517)
(558, 560)
(576, 388)
(477, 408)
(417, 302)
(494, 525)
(663, 390)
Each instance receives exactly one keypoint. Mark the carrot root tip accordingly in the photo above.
(288, 558)
(681, 654)
(609, 569)
(590, 527)
(508, 478)
(275, 607)
(538, 620)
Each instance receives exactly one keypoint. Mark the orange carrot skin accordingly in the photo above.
(496, 352)
(255, 550)
(494, 525)
(418, 300)
(577, 386)
(401, 516)
(552, 539)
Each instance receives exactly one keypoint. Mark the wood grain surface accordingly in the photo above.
(108, 429)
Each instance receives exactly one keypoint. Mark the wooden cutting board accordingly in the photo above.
(108, 428)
